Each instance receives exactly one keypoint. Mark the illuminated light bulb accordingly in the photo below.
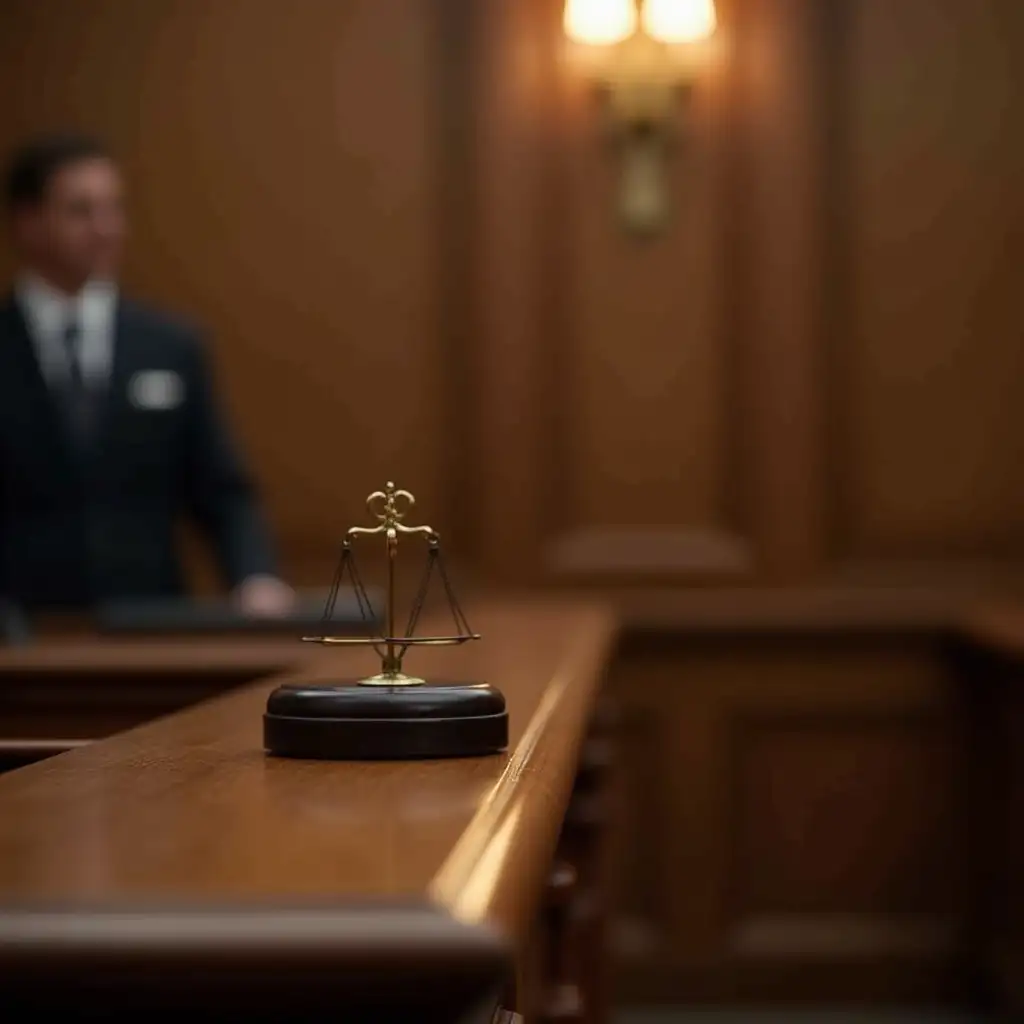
(600, 22)
(679, 21)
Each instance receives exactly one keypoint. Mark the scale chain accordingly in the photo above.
(461, 622)
(332, 595)
(421, 595)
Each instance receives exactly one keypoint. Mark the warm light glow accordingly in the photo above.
(600, 22)
(679, 21)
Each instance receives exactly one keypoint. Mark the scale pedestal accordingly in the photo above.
(390, 715)
(351, 722)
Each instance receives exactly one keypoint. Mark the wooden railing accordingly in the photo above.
(415, 890)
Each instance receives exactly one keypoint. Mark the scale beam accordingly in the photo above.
(406, 641)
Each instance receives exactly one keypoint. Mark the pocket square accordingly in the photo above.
(156, 390)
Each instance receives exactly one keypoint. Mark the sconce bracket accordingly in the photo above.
(643, 83)
(630, 103)
(641, 122)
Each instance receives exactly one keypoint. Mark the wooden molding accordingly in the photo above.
(651, 551)
(843, 936)
(678, 614)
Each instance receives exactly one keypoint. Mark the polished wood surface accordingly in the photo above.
(187, 811)
(392, 827)
(997, 627)
(84, 688)
(92, 656)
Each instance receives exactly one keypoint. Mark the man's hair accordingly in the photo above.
(33, 166)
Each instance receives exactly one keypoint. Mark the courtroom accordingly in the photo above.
(512, 512)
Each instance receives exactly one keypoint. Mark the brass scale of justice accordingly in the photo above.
(390, 715)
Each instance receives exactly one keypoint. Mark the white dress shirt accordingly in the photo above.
(47, 314)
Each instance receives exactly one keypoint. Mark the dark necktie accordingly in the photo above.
(78, 400)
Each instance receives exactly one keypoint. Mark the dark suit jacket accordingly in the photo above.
(80, 528)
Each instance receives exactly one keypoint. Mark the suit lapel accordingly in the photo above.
(21, 356)
(130, 355)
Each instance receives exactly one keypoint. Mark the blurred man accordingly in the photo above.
(109, 425)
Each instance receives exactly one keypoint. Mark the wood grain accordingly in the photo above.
(187, 812)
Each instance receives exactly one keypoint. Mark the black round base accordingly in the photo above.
(348, 722)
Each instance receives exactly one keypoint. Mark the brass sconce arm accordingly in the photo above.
(643, 82)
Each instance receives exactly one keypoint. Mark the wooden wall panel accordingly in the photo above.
(645, 749)
(642, 417)
(673, 382)
(796, 455)
(835, 812)
(933, 380)
(816, 793)
(812, 373)
(807, 369)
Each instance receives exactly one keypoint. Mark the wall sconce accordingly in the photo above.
(643, 57)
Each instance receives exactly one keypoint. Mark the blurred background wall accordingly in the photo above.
(396, 219)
